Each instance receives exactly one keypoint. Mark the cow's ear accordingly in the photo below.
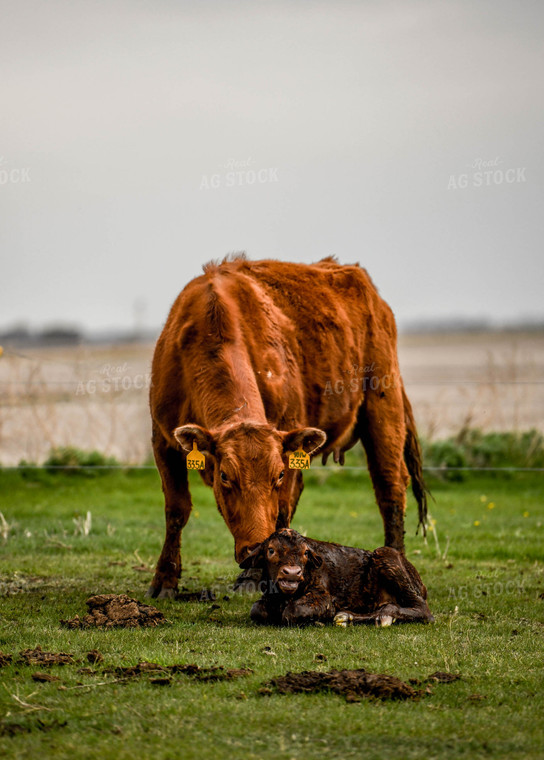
(255, 558)
(307, 439)
(186, 434)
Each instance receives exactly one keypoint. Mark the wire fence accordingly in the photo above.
(96, 398)
(340, 468)
(91, 368)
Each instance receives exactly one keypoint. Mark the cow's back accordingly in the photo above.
(304, 335)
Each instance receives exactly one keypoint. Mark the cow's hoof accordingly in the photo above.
(343, 619)
(167, 593)
(384, 620)
(157, 592)
(248, 582)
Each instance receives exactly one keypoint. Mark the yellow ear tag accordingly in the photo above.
(195, 460)
(299, 460)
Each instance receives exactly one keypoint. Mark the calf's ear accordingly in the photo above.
(255, 558)
(314, 559)
(308, 439)
(186, 434)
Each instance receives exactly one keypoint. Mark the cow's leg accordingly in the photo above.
(383, 434)
(172, 467)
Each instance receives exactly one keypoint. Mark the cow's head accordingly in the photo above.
(287, 560)
(247, 465)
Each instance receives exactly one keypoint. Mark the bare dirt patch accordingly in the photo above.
(160, 672)
(215, 673)
(116, 611)
(204, 595)
(19, 583)
(440, 677)
(14, 729)
(39, 657)
(44, 677)
(354, 684)
(436, 677)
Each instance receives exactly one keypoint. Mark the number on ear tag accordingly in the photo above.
(299, 460)
(195, 460)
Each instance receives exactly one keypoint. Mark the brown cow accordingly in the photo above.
(258, 359)
(305, 580)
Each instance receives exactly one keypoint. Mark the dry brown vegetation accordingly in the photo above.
(96, 397)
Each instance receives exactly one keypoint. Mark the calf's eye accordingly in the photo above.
(223, 477)
(282, 473)
(270, 551)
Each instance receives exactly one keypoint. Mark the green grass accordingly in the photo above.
(474, 448)
(485, 597)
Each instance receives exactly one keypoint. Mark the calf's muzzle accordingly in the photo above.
(290, 572)
(289, 578)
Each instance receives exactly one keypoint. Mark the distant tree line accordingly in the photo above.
(65, 335)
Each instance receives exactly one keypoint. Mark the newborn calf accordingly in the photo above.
(307, 580)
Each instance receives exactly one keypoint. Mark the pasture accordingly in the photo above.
(482, 563)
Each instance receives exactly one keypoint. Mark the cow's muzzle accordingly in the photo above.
(241, 552)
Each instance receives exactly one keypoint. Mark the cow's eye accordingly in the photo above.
(282, 473)
(271, 551)
(307, 553)
(223, 477)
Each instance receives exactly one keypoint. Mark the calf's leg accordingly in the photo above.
(315, 605)
(264, 613)
(387, 615)
(400, 594)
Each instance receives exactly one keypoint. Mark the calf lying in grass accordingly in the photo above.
(307, 581)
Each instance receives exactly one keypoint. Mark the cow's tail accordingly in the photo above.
(414, 462)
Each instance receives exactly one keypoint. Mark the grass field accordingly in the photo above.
(485, 595)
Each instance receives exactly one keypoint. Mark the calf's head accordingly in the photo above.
(247, 466)
(287, 560)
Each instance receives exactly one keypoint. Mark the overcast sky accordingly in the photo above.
(138, 140)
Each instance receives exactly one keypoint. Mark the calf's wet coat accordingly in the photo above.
(307, 581)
